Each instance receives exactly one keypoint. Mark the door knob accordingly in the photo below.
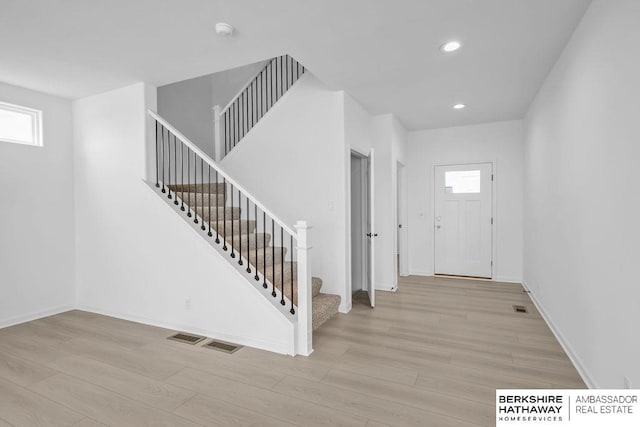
(438, 226)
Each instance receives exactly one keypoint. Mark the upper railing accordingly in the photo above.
(253, 101)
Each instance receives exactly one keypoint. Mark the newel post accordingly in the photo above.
(304, 332)
(217, 134)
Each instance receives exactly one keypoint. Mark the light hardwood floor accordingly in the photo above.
(431, 354)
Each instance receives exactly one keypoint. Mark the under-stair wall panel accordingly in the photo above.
(136, 259)
(293, 160)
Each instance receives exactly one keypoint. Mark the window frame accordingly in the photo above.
(462, 171)
(36, 129)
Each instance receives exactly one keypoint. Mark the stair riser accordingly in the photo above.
(324, 308)
(263, 240)
(232, 228)
(272, 256)
(195, 200)
(197, 188)
(228, 213)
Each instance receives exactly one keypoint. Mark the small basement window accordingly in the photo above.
(20, 125)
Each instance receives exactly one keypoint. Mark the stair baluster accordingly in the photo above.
(195, 188)
(182, 177)
(248, 236)
(282, 302)
(209, 199)
(169, 164)
(157, 161)
(264, 250)
(273, 260)
(162, 149)
(189, 204)
(175, 168)
(239, 229)
(292, 311)
(255, 214)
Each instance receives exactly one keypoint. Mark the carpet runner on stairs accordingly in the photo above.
(207, 200)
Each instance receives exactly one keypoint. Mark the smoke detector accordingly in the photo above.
(224, 30)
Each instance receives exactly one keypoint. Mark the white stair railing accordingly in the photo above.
(253, 101)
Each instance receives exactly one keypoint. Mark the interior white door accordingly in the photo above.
(371, 234)
(463, 220)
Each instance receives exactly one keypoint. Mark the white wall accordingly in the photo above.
(226, 84)
(386, 135)
(135, 258)
(358, 136)
(581, 195)
(36, 214)
(389, 143)
(399, 148)
(292, 161)
(188, 105)
(500, 143)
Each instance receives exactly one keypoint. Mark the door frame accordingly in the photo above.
(494, 228)
(401, 243)
(363, 156)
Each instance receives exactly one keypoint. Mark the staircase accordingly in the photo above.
(269, 253)
(210, 201)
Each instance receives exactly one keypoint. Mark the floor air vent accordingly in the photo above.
(222, 346)
(520, 309)
(186, 338)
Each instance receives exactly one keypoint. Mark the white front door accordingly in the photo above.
(463, 220)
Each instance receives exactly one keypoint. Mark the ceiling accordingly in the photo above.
(384, 53)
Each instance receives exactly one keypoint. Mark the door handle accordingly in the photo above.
(438, 227)
(372, 235)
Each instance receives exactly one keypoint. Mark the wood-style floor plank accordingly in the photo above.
(103, 405)
(431, 354)
(22, 407)
(88, 422)
(147, 390)
(21, 371)
(209, 411)
(262, 400)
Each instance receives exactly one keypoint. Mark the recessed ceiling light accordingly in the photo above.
(223, 29)
(451, 46)
(459, 106)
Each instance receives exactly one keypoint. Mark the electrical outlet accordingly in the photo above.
(187, 303)
(627, 383)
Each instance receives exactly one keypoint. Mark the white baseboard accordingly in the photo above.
(507, 279)
(420, 272)
(566, 346)
(276, 347)
(386, 287)
(5, 323)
